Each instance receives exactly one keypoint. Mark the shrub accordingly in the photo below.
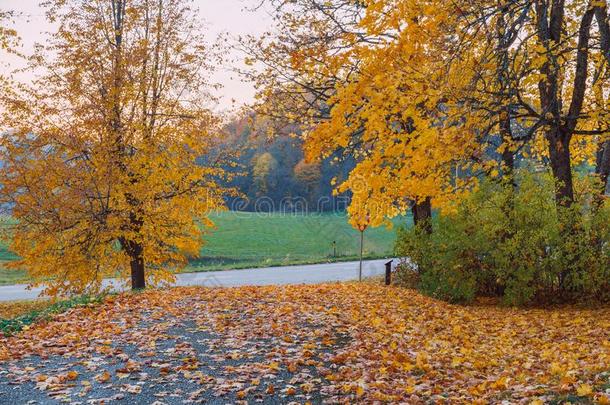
(515, 244)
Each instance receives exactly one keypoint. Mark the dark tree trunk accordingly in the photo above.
(549, 21)
(505, 92)
(422, 214)
(138, 280)
(561, 166)
(602, 167)
(135, 251)
(508, 157)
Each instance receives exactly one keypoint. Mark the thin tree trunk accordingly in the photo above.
(422, 214)
(561, 166)
(602, 168)
(504, 94)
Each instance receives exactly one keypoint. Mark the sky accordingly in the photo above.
(234, 17)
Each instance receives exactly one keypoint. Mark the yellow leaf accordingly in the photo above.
(603, 400)
(72, 375)
(104, 377)
(584, 390)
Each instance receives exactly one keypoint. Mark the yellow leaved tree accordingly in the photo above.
(108, 155)
(7, 35)
(428, 96)
(374, 82)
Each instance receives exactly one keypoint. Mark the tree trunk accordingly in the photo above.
(602, 167)
(505, 93)
(561, 166)
(422, 214)
(138, 281)
(508, 161)
(135, 251)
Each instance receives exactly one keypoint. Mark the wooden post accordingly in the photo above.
(388, 272)
(335, 248)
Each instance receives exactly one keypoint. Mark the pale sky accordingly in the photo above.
(220, 16)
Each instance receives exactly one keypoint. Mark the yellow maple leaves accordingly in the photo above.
(584, 390)
(390, 115)
(106, 164)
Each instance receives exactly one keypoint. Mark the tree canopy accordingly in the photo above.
(100, 162)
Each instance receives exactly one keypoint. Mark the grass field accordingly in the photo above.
(244, 240)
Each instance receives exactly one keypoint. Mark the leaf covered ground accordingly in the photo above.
(12, 309)
(325, 343)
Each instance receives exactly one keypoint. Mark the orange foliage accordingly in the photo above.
(353, 342)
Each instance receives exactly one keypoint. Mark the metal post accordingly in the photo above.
(361, 249)
(388, 272)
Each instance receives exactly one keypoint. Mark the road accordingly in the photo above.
(304, 274)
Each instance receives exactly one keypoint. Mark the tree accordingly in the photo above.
(324, 47)
(8, 35)
(100, 157)
(263, 167)
(382, 95)
(308, 175)
(547, 68)
(503, 75)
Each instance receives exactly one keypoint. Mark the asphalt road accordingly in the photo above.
(304, 274)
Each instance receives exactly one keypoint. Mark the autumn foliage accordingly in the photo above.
(434, 98)
(99, 164)
(430, 95)
(352, 343)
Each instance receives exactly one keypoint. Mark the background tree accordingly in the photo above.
(308, 175)
(248, 137)
(100, 159)
(262, 171)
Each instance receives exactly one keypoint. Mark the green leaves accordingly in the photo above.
(515, 244)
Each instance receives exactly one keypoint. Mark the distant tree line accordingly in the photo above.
(271, 173)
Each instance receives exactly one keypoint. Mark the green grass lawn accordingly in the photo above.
(243, 240)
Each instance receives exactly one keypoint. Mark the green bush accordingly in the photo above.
(515, 244)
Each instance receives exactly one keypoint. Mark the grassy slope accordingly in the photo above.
(255, 239)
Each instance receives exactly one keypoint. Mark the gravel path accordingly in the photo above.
(174, 360)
